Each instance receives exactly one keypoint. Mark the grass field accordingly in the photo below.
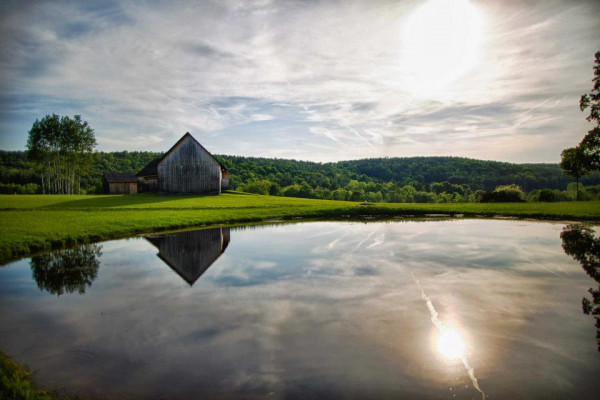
(33, 223)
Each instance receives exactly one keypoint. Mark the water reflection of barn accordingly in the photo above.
(191, 253)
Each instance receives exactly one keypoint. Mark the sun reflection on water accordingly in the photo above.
(450, 345)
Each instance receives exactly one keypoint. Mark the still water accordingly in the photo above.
(458, 309)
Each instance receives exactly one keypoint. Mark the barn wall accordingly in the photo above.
(189, 168)
(146, 185)
(224, 180)
(122, 188)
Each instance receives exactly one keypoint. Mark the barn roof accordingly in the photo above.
(120, 177)
(150, 169)
(187, 134)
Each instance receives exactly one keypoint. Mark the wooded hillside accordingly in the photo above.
(426, 174)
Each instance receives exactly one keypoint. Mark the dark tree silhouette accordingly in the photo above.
(580, 242)
(591, 142)
(67, 271)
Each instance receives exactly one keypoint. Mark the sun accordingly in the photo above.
(441, 42)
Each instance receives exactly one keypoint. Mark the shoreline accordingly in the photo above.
(36, 223)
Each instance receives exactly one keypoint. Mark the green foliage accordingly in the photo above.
(61, 150)
(546, 195)
(573, 163)
(434, 179)
(11, 188)
(504, 194)
(16, 382)
(257, 187)
(590, 144)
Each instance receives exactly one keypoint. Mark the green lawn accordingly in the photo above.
(32, 223)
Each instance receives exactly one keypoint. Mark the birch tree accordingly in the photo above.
(61, 148)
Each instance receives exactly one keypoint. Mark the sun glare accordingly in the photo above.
(441, 42)
(450, 345)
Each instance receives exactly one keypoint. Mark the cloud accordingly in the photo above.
(310, 74)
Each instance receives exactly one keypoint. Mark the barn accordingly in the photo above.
(187, 167)
(119, 183)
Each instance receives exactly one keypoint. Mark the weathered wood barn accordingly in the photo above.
(191, 253)
(186, 168)
(119, 183)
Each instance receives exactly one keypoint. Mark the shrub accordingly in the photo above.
(546, 195)
(504, 194)
(258, 187)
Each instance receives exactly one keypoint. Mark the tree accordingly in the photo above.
(573, 163)
(590, 144)
(62, 149)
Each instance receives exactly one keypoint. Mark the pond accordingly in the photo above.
(444, 309)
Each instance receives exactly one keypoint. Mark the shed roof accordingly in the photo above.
(150, 169)
(120, 177)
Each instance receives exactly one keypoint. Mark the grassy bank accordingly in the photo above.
(33, 223)
(16, 383)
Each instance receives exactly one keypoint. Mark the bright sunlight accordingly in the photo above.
(441, 42)
(450, 345)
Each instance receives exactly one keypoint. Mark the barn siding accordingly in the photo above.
(224, 180)
(188, 168)
(122, 188)
(147, 185)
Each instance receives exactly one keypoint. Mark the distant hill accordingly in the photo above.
(419, 172)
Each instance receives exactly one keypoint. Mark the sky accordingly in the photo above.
(308, 80)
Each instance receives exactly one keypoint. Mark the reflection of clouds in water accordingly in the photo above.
(379, 240)
(365, 239)
(272, 315)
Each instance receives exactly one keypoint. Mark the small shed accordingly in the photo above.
(119, 183)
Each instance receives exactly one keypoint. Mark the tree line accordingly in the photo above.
(414, 179)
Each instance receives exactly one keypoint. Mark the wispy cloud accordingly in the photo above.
(309, 80)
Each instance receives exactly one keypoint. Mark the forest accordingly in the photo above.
(411, 179)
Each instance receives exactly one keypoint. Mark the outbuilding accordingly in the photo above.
(119, 183)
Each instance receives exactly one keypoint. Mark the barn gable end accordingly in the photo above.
(189, 168)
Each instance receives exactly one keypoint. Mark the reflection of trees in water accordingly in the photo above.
(581, 243)
(67, 271)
